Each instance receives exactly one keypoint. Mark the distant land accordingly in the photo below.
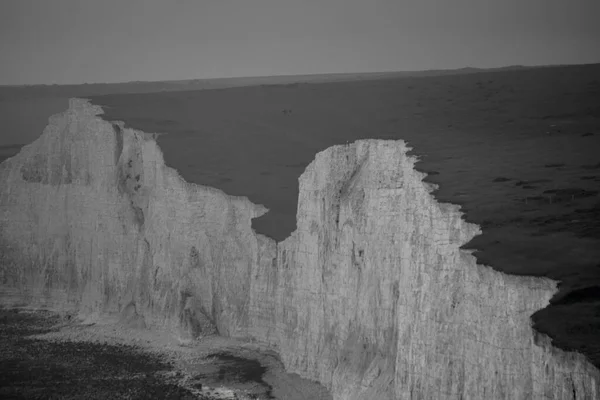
(94, 89)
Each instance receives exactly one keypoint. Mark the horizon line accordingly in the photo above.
(516, 66)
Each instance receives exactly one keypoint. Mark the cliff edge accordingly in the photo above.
(371, 295)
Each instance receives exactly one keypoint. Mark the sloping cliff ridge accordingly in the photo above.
(371, 295)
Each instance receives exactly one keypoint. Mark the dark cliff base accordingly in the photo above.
(39, 369)
(34, 367)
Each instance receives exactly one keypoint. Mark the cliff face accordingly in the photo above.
(371, 295)
(93, 220)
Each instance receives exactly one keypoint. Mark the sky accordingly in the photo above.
(90, 41)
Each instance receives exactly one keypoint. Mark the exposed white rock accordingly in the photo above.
(371, 295)
(92, 219)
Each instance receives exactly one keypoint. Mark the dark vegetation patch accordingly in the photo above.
(587, 134)
(569, 194)
(590, 178)
(502, 179)
(557, 165)
(591, 166)
(573, 325)
(572, 115)
(487, 223)
(588, 294)
(521, 183)
(35, 369)
(583, 222)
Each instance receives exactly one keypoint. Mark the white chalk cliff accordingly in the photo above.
(371, 295)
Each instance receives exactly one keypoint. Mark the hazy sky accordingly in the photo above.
(75, 41)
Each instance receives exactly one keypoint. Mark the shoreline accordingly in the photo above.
(209, 368)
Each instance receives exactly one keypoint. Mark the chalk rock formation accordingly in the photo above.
(371, 295)
(91, 219)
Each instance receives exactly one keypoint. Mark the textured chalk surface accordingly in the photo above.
(371, 295)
